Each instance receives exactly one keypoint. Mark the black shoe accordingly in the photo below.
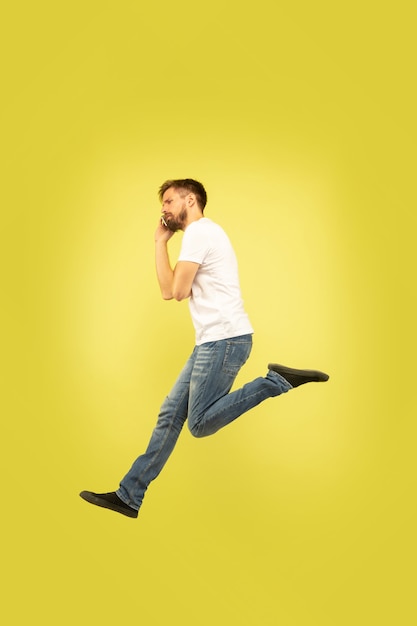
(298, 377)
(109, 501)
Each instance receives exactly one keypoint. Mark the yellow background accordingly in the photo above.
(297, 117)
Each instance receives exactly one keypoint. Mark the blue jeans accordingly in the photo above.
(201, 394)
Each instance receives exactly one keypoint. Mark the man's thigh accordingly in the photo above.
(215, 368)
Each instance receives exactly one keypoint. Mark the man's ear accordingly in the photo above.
(191, 199)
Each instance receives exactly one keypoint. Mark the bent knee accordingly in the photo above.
(196, 430)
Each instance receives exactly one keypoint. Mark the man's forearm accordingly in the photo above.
(164, 270)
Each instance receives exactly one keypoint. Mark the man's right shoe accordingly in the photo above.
(109, 501)
(298, 377)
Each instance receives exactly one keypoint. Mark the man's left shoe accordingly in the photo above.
(109, 501)
(298, 377)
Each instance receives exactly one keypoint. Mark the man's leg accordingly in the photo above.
(216, 366)
(128, 498)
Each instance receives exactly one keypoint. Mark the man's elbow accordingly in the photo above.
(179, 295)
(166, 294)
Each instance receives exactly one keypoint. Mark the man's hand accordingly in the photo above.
(164, 270)
(162, 233)
(174, 283)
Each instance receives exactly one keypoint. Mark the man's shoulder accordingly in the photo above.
(205, 225)
(203, 222)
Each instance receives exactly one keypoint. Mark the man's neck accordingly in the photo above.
(193, 217)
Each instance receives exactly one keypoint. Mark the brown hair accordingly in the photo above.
(186, 184)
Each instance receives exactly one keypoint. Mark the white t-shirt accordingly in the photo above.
(216, 305)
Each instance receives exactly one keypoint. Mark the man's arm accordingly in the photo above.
(174, 283)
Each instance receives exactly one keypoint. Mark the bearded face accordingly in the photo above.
(177, 223)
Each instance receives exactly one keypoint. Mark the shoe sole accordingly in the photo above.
(313, 375)
(95, 499)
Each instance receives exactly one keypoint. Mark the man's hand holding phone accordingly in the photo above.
(162, 233)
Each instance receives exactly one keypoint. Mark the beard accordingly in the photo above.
(177, 223)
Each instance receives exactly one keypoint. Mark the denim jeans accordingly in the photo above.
(201, 394)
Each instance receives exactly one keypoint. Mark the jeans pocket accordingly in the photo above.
(236, 354)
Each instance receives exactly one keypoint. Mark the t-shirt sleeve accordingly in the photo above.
(194, 246)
